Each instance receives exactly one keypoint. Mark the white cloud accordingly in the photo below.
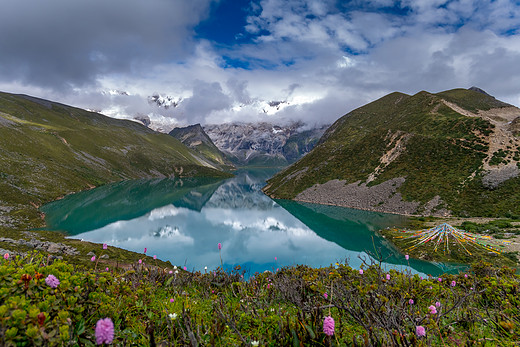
(323, 60)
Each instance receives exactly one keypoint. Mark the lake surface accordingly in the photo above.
(183, 220)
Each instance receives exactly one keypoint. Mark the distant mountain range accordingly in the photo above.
(451, 153)
(264, 144)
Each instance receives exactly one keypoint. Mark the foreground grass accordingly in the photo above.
(150, 305)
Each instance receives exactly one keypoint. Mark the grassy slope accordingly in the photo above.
(206, 147)
(48, 150)
(443, 149)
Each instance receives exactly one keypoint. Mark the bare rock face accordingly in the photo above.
(494, 177)
(264, 142)
(46, 246)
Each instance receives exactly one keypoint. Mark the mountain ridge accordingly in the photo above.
(447, 153)
(49, 149)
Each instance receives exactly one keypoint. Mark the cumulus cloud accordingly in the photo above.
(62, 44)
(320, 58)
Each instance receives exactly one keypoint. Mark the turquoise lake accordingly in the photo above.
(183, 220)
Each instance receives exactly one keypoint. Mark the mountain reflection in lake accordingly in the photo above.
(183, 220)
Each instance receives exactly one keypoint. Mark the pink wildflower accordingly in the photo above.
(328, 326)
(105, 246)
(360, 271)
(104, 331)
(325, 295)
(453, 283)
(275, 258)
(407, 257)
(387, 276)
(106, 269)
(52, 281)
(170, 272)
(432, 309)
(219, 246)
(440, 279)
(6, 256)
(145, 249)
(154, 257)
(93, 258)
(465, 275)
(185, 268)
(437, 304)
(411, 301)
(140, 261)
(420, 331)
(171, 300)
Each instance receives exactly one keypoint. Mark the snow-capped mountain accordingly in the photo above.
(264, 143)
(164, 101)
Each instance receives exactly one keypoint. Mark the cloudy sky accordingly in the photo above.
(236, 60)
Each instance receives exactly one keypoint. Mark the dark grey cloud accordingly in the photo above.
(65, 44)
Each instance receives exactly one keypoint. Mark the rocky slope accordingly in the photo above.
(195, 138)
(48, 150)
(264, 144)
(450, 153)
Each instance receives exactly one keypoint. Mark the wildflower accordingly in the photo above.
(328, 326)
(6, 256)
(219, 246)
(360, 271)
(255, 343)
(105, 246)
(52, 281)
(440, 279)
(93, 258)
(170, 272)
(173, 316)
(154, 257)
(453, 283)
(275, 258)
(104, 331)
(176, 271)
(325, 295)
(185, 268)
(175, 267)
(140, 261)
(411, 301)
(465, 275)
(420, 331)
(407, 257)
(171, 300)
(437, 304)
(41, 318)
(432, 309)
(387, 276)
(145, 249)
(205, 268)
(106, 269)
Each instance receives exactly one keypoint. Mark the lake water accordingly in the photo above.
(183, 220)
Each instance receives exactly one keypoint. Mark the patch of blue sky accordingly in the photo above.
(226, 22)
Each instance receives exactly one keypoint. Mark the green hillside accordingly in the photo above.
(48, 150)
(456, 145)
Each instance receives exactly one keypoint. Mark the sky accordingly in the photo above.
(254, 60)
